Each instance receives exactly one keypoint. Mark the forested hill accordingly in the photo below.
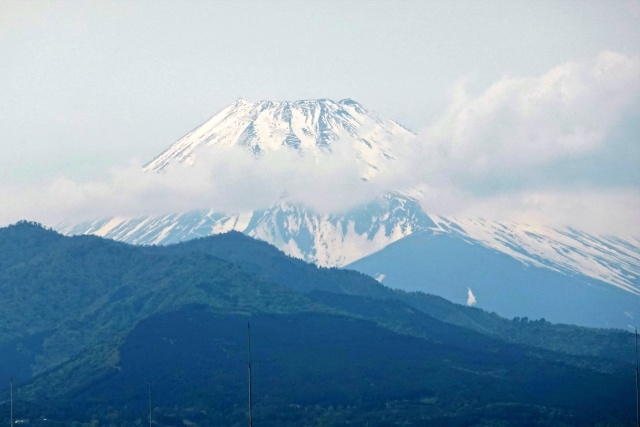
(86, 322)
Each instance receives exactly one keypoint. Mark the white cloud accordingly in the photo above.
(601, 211)
(491, 155)
(229, 179)
(519, 124)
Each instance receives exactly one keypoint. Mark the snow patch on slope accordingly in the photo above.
(613, 260)
(330, 240)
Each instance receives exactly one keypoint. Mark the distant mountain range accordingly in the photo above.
(592, 267)
(86, 323)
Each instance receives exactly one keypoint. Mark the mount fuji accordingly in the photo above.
(310, 127)
(514, 269)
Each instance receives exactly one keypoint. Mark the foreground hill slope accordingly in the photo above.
(87, 322)
(305, 363)
(268, 262)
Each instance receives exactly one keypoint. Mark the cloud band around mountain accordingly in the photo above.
(526, 148)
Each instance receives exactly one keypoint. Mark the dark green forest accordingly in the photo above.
(87, 323)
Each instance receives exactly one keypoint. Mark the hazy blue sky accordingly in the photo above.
(87, 86)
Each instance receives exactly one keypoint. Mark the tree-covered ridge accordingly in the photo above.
(67, 294)
(268, 262)
(86, 322)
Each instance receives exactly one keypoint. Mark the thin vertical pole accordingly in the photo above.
(149, 386)
(249, 367)
(637, 394)
(11, 393)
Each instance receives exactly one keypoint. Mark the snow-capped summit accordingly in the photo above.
(312, 127)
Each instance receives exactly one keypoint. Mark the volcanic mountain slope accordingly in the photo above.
(311, 128)
(466, 271)
(328, 240)
(610, 259)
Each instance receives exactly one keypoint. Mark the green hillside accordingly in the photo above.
(86, 323)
